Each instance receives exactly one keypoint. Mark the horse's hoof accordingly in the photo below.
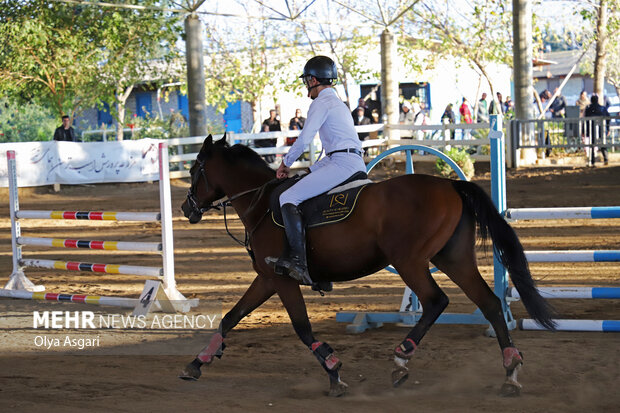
(190, 373)
(399, 376)
(338, 389)
(510, 389)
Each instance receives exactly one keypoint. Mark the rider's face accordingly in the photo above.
(311, 83)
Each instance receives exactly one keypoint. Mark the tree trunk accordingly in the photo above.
(389, 84)
(522, 58)
(195, 76)
(121, 100)
(601, 50)
(120, 109)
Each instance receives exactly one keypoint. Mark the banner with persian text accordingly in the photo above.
(46, 163)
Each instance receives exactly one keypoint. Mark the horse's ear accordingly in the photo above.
(222, 141)
(208, 141)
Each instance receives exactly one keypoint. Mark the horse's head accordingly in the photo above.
(205, 188)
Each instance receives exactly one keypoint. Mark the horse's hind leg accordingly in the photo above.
(433, 300)
(458, 261)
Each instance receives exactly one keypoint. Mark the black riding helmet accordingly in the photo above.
(321, 67)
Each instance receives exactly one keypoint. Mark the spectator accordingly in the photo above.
(271, 124)
(497, 107)
(594, 109)
(65, 132)
(509, 108)
(419, 118)
(582, 103)
(406, 117)
(374, 119)
(296, 123)
(545, 95)
(558, 107)
(448, 117)
(465, 116)
(359, 119)
(483, 109)
(361, 103)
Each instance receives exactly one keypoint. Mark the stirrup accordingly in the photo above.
(288, 267)
(322, 286)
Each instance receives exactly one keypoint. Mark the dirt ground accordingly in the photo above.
(265, 367)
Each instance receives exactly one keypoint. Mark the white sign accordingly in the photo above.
(47, 163)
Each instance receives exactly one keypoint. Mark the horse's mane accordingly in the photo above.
(243, 154)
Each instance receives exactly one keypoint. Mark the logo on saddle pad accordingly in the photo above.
(331, 207)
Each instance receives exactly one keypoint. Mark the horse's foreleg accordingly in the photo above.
(433, 300)
(294, 303)
(259, 291)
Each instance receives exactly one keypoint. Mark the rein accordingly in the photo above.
(248, 233)
(225, 202)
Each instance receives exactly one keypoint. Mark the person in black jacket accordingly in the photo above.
(594, 109)
(359, 119)
(66, 131)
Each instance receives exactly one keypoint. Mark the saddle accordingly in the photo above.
(330, 207)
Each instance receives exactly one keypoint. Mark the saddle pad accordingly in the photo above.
(328, 208)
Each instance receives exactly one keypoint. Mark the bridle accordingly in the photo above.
(224, 202)
(191, 193)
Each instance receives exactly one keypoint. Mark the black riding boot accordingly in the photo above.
(293, 261)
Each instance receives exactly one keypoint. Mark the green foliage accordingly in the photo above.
(566, 39)
(478, 31)
(26, 122)
(241, 64)
(72, 57)
(462, 159)
(612, 52)
(45, 56)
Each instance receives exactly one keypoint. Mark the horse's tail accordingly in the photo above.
(508, 248)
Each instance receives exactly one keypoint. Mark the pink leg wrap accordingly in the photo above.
(207, 353)
(331, 361)
(402, 351)
(512, 358)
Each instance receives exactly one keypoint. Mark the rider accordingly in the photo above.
(331, 118)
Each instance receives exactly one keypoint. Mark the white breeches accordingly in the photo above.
(327, 173)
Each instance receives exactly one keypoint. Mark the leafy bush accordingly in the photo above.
(461, 158)
(26, 122)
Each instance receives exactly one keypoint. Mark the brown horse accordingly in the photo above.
(407, 221)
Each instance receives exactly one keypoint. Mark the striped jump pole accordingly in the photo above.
(93, 245)
(91, 215)
(573, 256)
(73, 298)
(574, 292)
(99, 268)
(574, 325)
(20, 286)
(563, 213)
